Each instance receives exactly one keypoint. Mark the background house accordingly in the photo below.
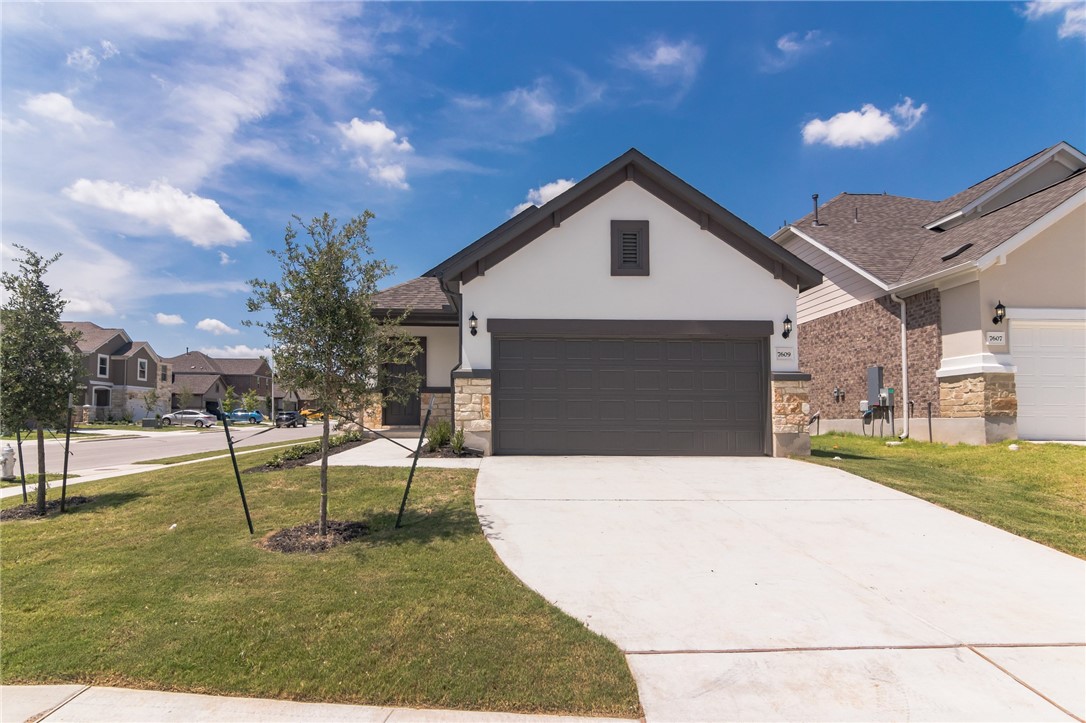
(118, 373)
(1018, 239)
(630, 315)
(206, 378)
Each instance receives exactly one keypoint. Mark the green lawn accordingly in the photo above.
(32, 481)
(1038, 491)
(424, 616)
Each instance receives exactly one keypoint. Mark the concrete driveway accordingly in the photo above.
(771, 589)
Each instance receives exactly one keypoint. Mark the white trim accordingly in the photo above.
(944, 219)
(1007, 183)
(958, 275)
(1000, 252)
(982, 363)
(98, 368)
(146, 369)
(94, 396)
(1024, 314)
(874, 280)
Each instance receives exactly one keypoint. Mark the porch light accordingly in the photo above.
(1001, 312)
(473, 324)
(787, 332)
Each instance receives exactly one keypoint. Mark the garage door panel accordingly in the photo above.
(1050, 382)
(631, 396)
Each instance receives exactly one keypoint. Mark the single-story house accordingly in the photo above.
(632, 314)
(974, 306)
(205, 379)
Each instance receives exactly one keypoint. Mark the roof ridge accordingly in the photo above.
(1003, 170)
(1074, 175)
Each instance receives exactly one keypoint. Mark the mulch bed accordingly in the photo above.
(29, 511)
(303, 461)
(304, 538)
(448, 453)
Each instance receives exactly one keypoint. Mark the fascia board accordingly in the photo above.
(1030, 232)
(944, 219)
(960, 274)
(826, 250)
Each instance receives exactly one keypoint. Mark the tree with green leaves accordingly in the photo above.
(322, 327)
(150, 401)
(184, 397)
(250, 400)
(40, 363)
(229, 399)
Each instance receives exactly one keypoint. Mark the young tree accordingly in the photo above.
(322, 328)
(250, 400)
(40, 364)
(229, 400)
(150, 400)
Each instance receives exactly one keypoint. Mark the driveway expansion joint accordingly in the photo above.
(42, 716)
(1025, 685)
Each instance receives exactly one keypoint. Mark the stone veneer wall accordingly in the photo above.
(442, 405)
(837, 349)
(978, 395)
(791, 411)
(472, 399)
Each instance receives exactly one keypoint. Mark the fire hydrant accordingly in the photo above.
(7, 463)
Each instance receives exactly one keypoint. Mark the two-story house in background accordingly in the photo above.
(201, 381)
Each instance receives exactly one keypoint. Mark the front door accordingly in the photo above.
(406, 413)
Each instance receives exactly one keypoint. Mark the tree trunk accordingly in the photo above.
(41, 470)
(324, 475)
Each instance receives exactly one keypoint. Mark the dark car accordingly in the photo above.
(289, 419)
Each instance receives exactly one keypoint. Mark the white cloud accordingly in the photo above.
(200, 220)
(215, 326)
(543, 194)
(225, 260)
(14, 126)
(377, 147)
(109, 50)
(790, 48)
(521, 114)
(240, 351)
(91, 304)
(867, 126)
(60, 108)
(169, 319)
(666, 63)
(1073, 24)
(83, 59)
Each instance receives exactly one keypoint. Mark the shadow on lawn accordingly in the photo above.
(420, 526)
(107, 499)
(831, 453)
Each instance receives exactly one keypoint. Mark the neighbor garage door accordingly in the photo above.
(1051, 378)
(631, 395)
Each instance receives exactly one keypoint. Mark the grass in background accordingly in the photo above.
(1038, 491)
(424, 616)
(215, 453)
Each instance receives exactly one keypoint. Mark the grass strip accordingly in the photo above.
(424, 616)
(1036, 491)
(216, 453)
(34, 482)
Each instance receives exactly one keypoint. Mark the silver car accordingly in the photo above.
(188, 416)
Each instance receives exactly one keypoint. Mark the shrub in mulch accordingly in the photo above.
(304, 538)
(29, 511)
(280, 462)
(448, 453)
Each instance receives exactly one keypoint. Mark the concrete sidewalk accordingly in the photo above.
(86, 704)
(385, 453)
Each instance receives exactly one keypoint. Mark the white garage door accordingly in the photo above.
(1051, 378)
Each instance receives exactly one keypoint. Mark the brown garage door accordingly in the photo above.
(630, 396)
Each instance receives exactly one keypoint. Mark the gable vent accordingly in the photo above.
(629, 248)
(631, 252)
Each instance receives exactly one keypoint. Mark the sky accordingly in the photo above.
(162, 148)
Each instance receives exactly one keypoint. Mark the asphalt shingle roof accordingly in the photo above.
(197, 384)
(193, 362)
(93, 336)
(421, 294)
(239, 366)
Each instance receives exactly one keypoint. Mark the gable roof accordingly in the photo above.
(244, 366)
(887, 239)
(196, 384)
(92, 336)
(193, 362)
(132, 347)
(633, 166)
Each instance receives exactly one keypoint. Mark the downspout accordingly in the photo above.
(459, 347)
(904, 371)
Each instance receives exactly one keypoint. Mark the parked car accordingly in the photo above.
(188, 416)
(241, 415)
(289, 419)
(312, 414)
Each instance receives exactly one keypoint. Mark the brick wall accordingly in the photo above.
(837, 349)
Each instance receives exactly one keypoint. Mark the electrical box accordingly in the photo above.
(886, 397)
(874, 385)
(864, 405)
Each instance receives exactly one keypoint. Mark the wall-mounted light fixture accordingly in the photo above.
(1001, 313)
(787, 330)
(473, 324)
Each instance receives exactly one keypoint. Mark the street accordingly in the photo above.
(99, 452)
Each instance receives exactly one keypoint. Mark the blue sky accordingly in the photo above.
(162, 148)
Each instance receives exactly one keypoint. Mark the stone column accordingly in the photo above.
(988, 398)
(472, 402)
(790, 410)
(373, 414)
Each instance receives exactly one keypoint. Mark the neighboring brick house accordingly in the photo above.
(118, 373)
(205, 379)
(1016, 239)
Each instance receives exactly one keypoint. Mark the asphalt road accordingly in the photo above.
(99, 452)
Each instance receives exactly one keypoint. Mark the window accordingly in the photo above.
(103, 365)
(141, 369)
(165, 373)
(629, 248)
(101, 397)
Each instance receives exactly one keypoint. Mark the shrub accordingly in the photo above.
(457, 442)
(440, 434)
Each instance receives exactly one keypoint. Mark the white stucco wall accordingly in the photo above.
(566, 274)
(441, 352)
